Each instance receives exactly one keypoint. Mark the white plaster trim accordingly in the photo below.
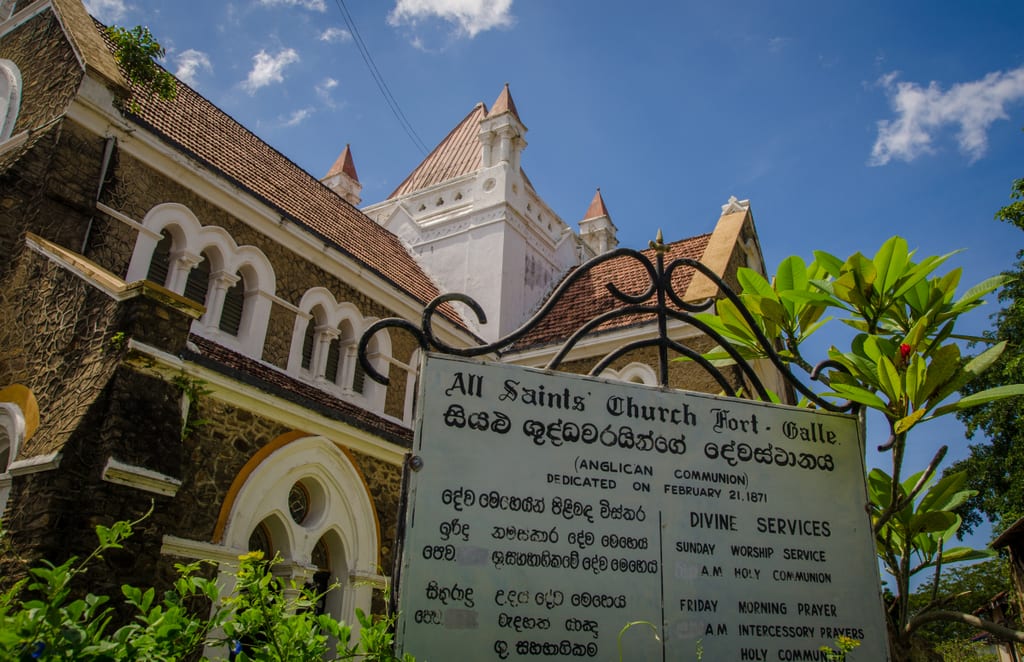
(12, 420)
(5, 481)
(35, 464)
(104, 281)
(600, 344)
(195, 549)
(368, 577)
(26, 14)
(140, 478)
(15, 141)
(130, 222)
(279, 409)
(89, 110)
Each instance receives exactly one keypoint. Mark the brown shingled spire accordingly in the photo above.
(597, 229)
(504, 104)
(596, 208)
(342, 178)
(344, 164)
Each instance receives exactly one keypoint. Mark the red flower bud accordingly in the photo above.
(905, 351)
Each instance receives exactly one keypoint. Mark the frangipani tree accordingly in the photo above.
(904, 361)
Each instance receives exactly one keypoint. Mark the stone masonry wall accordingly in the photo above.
(66, 340)
(50, 72)
(685, 375)
(134, 189)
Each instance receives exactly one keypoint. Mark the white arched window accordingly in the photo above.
(306, 502)
(324, 347)
(235, 283)
(10, 97)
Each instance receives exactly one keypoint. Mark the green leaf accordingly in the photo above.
(879, 489)
(981, 398)
(914, 378)
(942, 495)
(792, 274)
(908, 422)
(889, 378)
(830, 263)
(957, 554)
(981, 289)
(859, 395)
(755, 283)
(936, 521)
(891, 261)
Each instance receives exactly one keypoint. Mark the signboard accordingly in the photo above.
(547, 511)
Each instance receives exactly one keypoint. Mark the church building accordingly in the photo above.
(181, 306)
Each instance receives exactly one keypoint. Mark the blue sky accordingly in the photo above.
(843, 122)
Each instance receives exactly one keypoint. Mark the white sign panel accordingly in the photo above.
(550, 510)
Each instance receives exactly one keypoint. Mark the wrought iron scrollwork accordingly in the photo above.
(652, 303)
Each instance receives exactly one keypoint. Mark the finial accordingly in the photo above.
(659, 243)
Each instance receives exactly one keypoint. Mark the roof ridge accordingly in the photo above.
(426, 164)
(198, 128)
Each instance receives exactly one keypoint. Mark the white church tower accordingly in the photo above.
(471, 217)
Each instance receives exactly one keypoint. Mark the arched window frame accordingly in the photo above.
(12, 436)
(228, 263)
(341, 328)
(635, 373)
(343, 515)
(10, 97)
(412, 376)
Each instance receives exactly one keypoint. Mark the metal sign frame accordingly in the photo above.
(657, 303)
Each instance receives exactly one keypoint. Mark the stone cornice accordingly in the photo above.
(140, 478)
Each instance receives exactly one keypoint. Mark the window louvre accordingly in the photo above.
(358, 377)
(198, 281)
(307, 344)
(160, 263)
(234, 302)
(333, 358)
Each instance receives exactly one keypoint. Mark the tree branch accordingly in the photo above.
(896, 505)
(1003, 632)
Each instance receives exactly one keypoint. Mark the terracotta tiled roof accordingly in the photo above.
(597, 207)
(344, 164)
(458, 154)
(199, 129)
(588, 297)
(275, 382)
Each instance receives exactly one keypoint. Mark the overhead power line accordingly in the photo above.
(378, 78)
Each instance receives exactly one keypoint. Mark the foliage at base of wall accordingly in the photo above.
(41, 619)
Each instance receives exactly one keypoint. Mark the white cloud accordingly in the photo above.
(299, 116)
(190, 63)
(923, 111)
(338, 35)
(267, 69)
(471, 17)
(312, 5)
(323, 90)
(778, 44)
(107, 11)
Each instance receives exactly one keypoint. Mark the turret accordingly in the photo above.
(596, 229)
(342, 178)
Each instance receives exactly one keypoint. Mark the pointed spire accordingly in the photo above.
(597, 207)
(504, 104)
(344, 164)
(597, 230)
(342, 177)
